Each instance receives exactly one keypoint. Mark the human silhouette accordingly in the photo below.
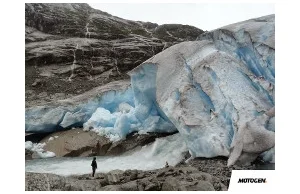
(94, 165)
(167, 165)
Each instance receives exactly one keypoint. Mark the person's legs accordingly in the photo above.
(94, 171)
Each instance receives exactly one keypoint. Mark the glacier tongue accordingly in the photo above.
(74, 112)
(218, 92)
(145, 116)
(113, 111)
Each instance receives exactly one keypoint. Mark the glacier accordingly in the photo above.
(113, 111)
(215, 90)
(218, 92)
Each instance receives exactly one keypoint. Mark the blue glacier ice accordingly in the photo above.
(113, 113)
(218, 92)
(144, 116)
(74, 112)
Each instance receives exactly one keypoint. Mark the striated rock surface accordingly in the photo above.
(132, 141)
(79, 143)
(72, 48)
(76, 142)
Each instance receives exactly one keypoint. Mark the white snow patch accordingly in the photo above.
(51, 138)
(38, 148)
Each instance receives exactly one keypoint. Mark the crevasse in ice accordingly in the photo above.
(144, 116)
(113, 114)
(218, 91)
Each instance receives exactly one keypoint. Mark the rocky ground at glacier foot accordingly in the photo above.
(198, 175)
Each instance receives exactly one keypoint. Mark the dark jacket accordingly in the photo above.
(94, 164)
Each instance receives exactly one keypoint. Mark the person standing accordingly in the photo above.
(94, 166)
(167, 165)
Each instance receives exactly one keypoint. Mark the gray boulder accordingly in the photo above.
(76, 142)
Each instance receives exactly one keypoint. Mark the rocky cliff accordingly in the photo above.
(72, 48)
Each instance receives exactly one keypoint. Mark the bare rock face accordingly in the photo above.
(190, 179)
(132, 141)
(72, 48)
(129, 186)
(76, 142)
(44, 182)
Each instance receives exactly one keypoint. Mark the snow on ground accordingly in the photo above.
(51, 138)
(38, 148)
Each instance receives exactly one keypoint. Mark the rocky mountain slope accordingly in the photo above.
(72, 48)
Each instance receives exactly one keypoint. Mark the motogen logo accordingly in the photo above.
(252, 180)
